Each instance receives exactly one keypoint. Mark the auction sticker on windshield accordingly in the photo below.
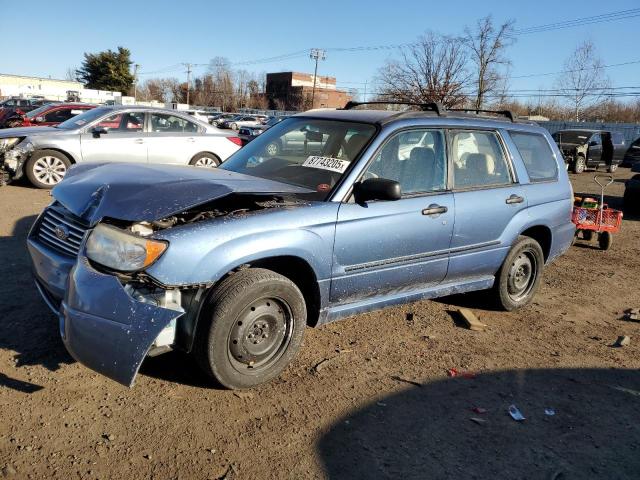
(326, 163)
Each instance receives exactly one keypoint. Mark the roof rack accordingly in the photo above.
(506, 113)
(426, 107)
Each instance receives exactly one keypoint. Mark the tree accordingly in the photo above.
(107, 70)
(583, 80)
(487, 45)
(431, 70)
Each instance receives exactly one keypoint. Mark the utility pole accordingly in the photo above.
(135, 81)
(364, 97)
(316, 54)
(188, 65)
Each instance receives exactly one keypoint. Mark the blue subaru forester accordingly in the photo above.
(327, 214)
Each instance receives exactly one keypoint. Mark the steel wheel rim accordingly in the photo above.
(260, 335)
(272, 149)
(580, 164)
(206, 162)
(522, 275)
(49, 170)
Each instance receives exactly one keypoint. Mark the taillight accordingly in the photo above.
(236, 140)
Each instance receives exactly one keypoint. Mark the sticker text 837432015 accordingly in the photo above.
(326, 163)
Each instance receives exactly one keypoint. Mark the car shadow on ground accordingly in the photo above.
(177, 367)
(431, 431)
(476, 300)
(29, 328)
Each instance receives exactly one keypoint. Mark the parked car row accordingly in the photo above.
(111, 134)
(585, 149)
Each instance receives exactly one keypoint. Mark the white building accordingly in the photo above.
(51, 89)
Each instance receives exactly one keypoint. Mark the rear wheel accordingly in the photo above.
(587, 235)
(206, 160)
(46, 168)
(579, 164)
(605, 239)
(252, 328)
(519, 276)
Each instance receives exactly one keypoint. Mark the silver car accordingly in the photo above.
(112, 134)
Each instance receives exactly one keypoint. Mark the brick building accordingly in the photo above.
(293, 91)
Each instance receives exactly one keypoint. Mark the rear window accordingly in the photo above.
(537, 156)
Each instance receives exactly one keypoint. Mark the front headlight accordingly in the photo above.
(7, 143)
(116, 249)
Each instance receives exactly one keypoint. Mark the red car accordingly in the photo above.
(47, 115)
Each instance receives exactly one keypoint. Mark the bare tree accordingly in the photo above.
(487, 45)
(583, 80)
(431, 70)
(71, 74)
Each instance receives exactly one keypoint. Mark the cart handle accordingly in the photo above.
(603, 186)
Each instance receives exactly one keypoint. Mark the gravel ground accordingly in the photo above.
(382, 406)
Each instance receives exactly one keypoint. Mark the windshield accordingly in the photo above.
(305, 152)
(34, 113)
(572, 136)
(84, 118)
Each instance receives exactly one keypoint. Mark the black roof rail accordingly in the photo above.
(506, 113)
(426, 107)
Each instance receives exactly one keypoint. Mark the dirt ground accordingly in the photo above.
(382, 406)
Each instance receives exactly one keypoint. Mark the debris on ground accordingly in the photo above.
(406, 380)
(633, 314)
(470, 321)
(622, 341)
(479, 421)
(8, 470)
(479, 410)
(245, 395)
(550, 412)
(515, 413)
(453, 372)
(409, 317)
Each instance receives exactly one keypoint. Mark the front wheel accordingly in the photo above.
(519, 276)
(579, 165)
(46, 168)
(252, 328)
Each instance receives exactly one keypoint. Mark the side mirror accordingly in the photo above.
(97, 131)
(376, 189)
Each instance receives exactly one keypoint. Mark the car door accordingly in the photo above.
(385, 247)
(123, 140)
(594, 151)
(173, 139)
(487, 197)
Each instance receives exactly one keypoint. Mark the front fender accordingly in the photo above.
(203, 253)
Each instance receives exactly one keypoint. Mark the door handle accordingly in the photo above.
(514, 199)
(434, 209)
(138, 140)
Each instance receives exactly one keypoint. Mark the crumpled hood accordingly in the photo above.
(137, 193)
(29, 131)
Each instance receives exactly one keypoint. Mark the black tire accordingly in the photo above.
(587, 235)
(205, 160)
(273, 149)
(605, 239)
(46, 168)
(248, 308)
(518, 279)
(631, 204)
(579, 164)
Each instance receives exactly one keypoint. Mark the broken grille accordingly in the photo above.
(61, 231)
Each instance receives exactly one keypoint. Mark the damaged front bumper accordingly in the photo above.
(106, 329)
(12, 162)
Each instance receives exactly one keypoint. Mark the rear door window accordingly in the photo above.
(536, 155)
(478, 160)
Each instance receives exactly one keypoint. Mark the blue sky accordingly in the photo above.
(54, 35)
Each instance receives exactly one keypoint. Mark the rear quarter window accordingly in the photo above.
(536, 155)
